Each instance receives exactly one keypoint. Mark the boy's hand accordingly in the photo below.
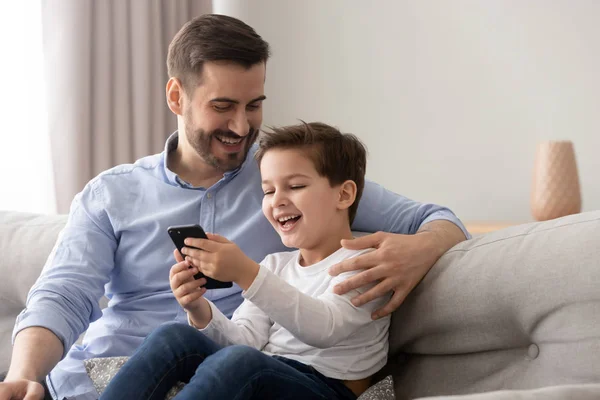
(221, 259)
(186, 289)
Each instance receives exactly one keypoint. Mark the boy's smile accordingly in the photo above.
(287, 221)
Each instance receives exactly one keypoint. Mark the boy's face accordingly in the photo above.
(299, 203)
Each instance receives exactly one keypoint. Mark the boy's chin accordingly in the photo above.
(291, 241)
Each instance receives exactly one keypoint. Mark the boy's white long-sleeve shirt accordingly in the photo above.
(291, 311)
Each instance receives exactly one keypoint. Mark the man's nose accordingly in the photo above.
(239, 123)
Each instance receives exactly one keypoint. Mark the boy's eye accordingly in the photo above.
(267, 192)
(294, 187)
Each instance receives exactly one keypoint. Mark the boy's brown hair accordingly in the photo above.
(213, 37)
(337, 156)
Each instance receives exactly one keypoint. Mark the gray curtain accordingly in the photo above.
(105, 63)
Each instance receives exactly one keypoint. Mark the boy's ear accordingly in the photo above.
(347, 195)
(175, 96)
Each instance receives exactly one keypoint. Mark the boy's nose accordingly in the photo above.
(278, 200)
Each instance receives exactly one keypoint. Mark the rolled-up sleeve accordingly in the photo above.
(382, 210)
(65, 297)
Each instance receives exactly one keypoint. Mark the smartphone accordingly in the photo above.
(178, 234)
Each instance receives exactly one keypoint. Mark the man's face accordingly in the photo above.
(301, 205)
(223, 116)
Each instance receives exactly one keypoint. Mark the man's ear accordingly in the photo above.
(175, 96)
(347, 195)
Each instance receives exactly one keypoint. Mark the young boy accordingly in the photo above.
(292, 337)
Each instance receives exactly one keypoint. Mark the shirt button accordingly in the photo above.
(209, 195)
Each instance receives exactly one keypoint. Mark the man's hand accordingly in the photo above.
(221, 259)
(35, 352)
(21, 389)
(398, 263)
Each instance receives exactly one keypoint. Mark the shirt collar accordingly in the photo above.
(174, 179)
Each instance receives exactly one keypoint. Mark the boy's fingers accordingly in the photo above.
(184, 290)
(202, 244)
(197, 283)
(182, 277)
(177, 255)
(199, 255)
(217, 238)
(179, 267)
(191, 297)
(189, 287)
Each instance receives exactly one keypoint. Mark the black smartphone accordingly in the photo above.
(178, 234)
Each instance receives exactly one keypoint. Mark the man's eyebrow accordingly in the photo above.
(228, 100)
(266, 181)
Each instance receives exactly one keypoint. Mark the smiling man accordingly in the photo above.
(221, 118)
(115, 242)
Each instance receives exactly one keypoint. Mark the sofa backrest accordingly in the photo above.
(512, 309)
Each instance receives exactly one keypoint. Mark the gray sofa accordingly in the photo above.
(513, 314)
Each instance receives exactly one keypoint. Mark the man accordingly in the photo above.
(115, 242)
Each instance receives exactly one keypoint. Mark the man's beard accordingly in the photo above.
(201, 142)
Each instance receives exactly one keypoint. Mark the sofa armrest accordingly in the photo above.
(515, 309)
(26, 240)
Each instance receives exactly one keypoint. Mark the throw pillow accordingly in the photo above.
(102, 370)
(382, 390)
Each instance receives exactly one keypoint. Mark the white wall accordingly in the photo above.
(450, 97)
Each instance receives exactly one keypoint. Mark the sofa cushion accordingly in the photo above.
(514, 309)
(25, 242)
(570, 392)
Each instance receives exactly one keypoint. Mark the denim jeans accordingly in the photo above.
(177, 352)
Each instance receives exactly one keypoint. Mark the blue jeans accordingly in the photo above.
(177, 352)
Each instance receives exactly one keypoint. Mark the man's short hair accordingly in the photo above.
(213, 37)
(336, 156)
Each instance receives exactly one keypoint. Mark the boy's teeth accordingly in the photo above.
(283, 219)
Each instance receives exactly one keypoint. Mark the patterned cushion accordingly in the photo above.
(382, 390)
(102, 370)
